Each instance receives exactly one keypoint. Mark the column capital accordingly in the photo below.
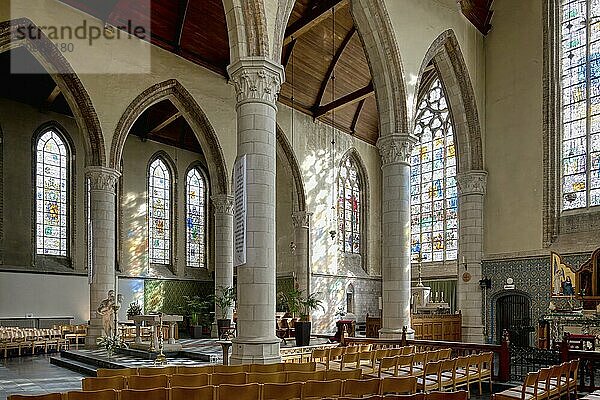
(102, 178)
(224, 203)
(396, 148)
(301, 219)
(256, 79)
(471, 182)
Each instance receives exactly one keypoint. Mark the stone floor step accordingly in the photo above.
(76, 366)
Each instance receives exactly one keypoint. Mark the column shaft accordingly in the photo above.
(301, 220)
(223, 244)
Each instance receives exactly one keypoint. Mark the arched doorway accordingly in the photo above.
(513, 313)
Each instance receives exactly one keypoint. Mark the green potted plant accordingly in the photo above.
(296, 304)
(224, 300)
(197, 311)
(134, 309)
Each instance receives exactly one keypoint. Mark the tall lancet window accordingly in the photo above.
(580, 79)
(159, 212)
(349, 207)
(195, 218)
(434, 216)
(52, 193)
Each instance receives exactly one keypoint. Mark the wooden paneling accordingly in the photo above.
(437, 327)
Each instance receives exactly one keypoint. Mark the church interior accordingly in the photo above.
(269, 199)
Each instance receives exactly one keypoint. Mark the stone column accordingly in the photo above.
(471, 192)
(395, 153)
(102, 206)
(257, 81)
(301, 221)
(223, 244)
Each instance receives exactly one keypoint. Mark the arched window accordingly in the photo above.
(434, 220)
(580, 79)
(195, 218)
(159, 212)
(52, 169)
(349, 207)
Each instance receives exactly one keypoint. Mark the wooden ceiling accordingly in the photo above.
(324, 60)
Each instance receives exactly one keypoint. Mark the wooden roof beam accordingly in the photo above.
(287, 53)
(312, 18)
(346, 100)
(331, 68)
(181, 14)
(166, 122)
(51, 98)
(357, 116)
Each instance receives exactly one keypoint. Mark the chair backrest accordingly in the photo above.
(448, 365)
(368, 356)
(149, 394)
(405, 360)
(350, 358)
(564, 374)
(230, 369)
(444, 354)
(432, 355)
(388, 364)
(300, 376)
(380, 353)
(432, 368)
(487, 361)
(108, 394)
(365, 347)
(408, 349)
(236, 378)
(530, 381)
(458, 395)
(151, 371)
(307, 367)
(266, 368)
(319, 355)
(248, 391)
(335, 353)
(191, 393)
(462, 364)
(113, 382)
(106, 372)
(205, 369)
(351, 349)
(49, 396)
(348, 374)
(396, 351)
(398, 385)
(322, 389)
(277, 391)
(147, 382)
(272, 377)
(418, 359)
(360, 387)
(188, 380)
(573, 370)
(544, 378)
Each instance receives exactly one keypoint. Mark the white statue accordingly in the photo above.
(107, 310)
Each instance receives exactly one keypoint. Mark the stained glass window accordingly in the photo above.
(52, 194)
(580, 79)
(159, 212)
(349, 207)
(195, 218)
(433, 194)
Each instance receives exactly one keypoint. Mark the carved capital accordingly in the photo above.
(224, 204)
(301, 219)
(396, 148)
(102, 178)
(256, 79)
(471, 182)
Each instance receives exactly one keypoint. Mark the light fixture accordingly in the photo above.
(333, 230)
(292, 243)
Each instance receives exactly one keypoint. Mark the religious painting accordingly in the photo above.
(563, 278)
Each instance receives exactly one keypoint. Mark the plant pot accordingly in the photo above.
(302, 329)
(196, 331)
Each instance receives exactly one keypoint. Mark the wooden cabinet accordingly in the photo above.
(437, 326)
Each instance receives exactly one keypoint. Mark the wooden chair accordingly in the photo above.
(320, 357)
(278, 391)
(267, 368)
(322, 389)
(147, 382)
(349, 361)
(404, 365)
(362, 348)
(306, 367)
(236, 378)
(190, 393)
(486, 365)
(152, 371)
(273, 377)
(398, 385)
(560, 379)
(447, 373)
(444, 354)
(205, 369)
(418, 363)
(460, 395)
(229, 369)
(408, 350)
(430, 379)
(49, 396)
(108, 394)
(360, 387)
(521, 392)
(395, 351)
(295, 376)
(248, 391)
(188, 380)
(149, 394)
(334, 356)
(388, 366)
(554, 384)
(460, 376)
(113, 382)
(106, 372)
(351, 350)
(343, 375)
(572, 378)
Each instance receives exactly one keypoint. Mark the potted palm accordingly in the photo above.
(224, 299)
(196, 310)
(297, 304)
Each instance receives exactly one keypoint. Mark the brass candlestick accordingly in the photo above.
(161, 359)
(420, 266)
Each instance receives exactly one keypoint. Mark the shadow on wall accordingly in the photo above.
(134, 236)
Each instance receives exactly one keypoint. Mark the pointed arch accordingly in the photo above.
(247, 28)
(285, 150)
(446, 57)
(195, 117)
(57, 66)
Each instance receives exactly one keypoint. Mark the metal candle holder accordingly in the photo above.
(161, 359)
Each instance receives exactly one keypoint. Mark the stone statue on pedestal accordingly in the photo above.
(107, 310)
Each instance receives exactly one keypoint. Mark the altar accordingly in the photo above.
(154, 320)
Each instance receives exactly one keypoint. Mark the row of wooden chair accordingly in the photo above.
(29, 340)
(207, 369)
(547, 383)
(336, 357)
(383, 363)
(185, 380)
(354, 388)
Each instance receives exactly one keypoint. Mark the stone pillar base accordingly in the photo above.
(472, 334)
(255, 351)
(92, 334)
(387, 333)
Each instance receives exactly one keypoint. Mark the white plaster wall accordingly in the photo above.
(44, 295)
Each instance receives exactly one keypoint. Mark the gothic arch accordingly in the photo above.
(286, 152)
(195, 117)
(247, 28)
(447, 59)
(45, 51)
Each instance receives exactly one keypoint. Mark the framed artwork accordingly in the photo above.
(563, 278)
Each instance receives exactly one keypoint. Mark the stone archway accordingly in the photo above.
(45, 51)
(284, 149)
(195, 117)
